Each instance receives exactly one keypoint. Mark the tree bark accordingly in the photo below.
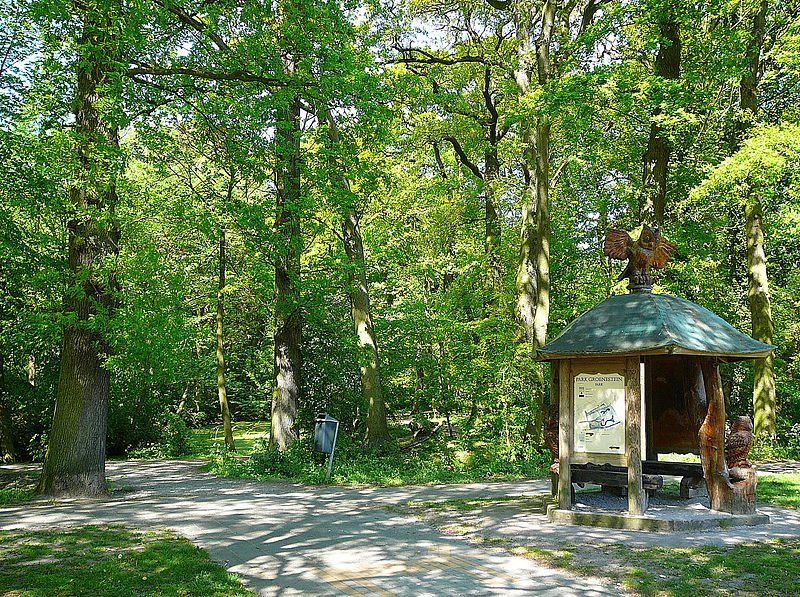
(533, 266)
(764, 396)
(493, 229)
(542, 165)
(377, 427)
(526, 266)
(222, 390)
(288, 315)
(75, 459)
(656, 157)
(712, 440)
(764, 399)
(729, 490)
(748, 85)
(7, 453)
(526, 279)
(358, 291)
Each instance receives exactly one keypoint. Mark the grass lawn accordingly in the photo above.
(208, 441)
(781, 490)
(12, 496)
(108, 561)
(770, 568)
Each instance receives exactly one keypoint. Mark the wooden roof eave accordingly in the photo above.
(663, 350)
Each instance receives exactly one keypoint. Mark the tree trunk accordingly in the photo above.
(526, 266)
(288, 314)
(493, 231)
(542, 176)
(533, 267)
(748, 85)
(377, 427)
(764, 400)
(75, 459)
(222, 390)
(32, 369)
(7, 453)
(656, 157)
(358, 290)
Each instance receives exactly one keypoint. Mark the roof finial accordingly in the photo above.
(650, 250)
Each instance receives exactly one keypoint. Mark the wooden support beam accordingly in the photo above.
(637, 498)
(564, 435)
(650, 446)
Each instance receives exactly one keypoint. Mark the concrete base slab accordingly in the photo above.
(658, 522)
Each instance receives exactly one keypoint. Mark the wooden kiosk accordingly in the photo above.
(638, 375)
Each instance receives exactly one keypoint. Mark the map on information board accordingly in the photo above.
(599, 422)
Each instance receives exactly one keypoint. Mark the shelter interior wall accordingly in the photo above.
(672, 424)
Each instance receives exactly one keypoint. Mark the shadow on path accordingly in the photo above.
(285, 539)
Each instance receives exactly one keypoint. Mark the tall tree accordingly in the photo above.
(222, 390)
(75, 460)
(358, 291)
(655, 160)
(7, 452)
(545, 33)
(764, 397)
(288, 247)
(471, 91)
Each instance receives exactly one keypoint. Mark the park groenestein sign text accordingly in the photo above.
(600, 413)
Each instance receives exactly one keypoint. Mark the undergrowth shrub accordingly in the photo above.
(437, 460)
(172, 443)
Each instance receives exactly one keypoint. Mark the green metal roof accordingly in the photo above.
(631, 324)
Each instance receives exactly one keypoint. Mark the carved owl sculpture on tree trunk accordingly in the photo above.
(739, 442)
(649, 251)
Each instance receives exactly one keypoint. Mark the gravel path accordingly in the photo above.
(285, 539)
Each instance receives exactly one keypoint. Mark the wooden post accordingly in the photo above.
(550, 438)
(555, 386)
(650, 446)
(564, 435)
(637, 499)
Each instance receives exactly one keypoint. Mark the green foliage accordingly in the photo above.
(174, 440)
(199, 157)
(437, 460)
(13, 495)
(109, 561)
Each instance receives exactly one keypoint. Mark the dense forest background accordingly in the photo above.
(377, 209)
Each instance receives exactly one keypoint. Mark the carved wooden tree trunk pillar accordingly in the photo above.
(731, 491)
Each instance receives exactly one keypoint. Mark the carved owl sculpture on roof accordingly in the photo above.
(650, 251)
(739, 442)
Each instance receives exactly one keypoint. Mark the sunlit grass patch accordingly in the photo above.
(14, 495)
(782, 490)
(753, 569)
(210, 440)
(108, 561)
